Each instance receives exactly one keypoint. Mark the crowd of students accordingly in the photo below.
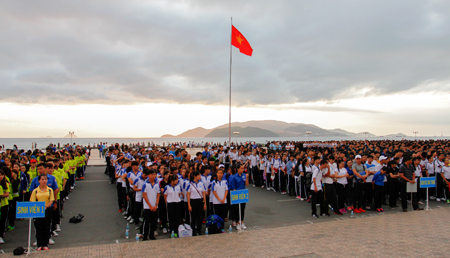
(165, 186)
(39, 176)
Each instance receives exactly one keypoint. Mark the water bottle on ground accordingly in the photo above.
(137, 238)
(206, 231)
(230, 230)
(127, 231)
(172, 235)
(351, 214)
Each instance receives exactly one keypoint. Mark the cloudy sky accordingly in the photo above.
(147, 68)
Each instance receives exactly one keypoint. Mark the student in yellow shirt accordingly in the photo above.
(43, 193)
(4, 194)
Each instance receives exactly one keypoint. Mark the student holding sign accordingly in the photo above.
(43, 193)
(238, 182)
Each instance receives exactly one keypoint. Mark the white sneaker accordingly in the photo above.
(131, 221)
(238, 227)
(432, 198)
(54, 233)
(253, 185)
(129, 218)
(438, 200)
(71, 188)
(35, 243)
(274, 190)
(137, 227)
(233, 224)
(157, 233)
(67, 197)
(123, 213)
(164, 231)
(268, 188)
(443, 199)
(243, 226)
(51, 242)
(58, 228)
(1, 240)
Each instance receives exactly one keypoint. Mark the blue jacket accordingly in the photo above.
(238, 182)
(51, 183)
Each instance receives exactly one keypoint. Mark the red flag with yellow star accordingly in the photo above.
(238, 40)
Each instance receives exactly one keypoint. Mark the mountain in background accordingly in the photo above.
(267, 128)
(243, 132)
(68, 136)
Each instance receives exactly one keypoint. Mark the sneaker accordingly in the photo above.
(243, 226)
(253, 185)
(420, 202)
(338, 213)
(222, 231)
(45, 248)
(71, 188)
(381, 209)
(55, 234)
(318, 204)
(120, 211)
(137, 227)
(378, 210)
(409, 201)
(233, 224)
(438, 200)
(131, 221)
(39, 249)
(274, 190)
(51, 242)
(362, 210)
(262, 186)
(268, 188)
(164, 230)
(35, 243)
(67, 197)
(129, 218)
(124, 212)
(357, 210)
(432, 198)
(1, 240)
(238, 227)
(344, 210)
(325, 215)
(125, 217)
(157, 233)
(448, 201)
(443, 199)
(58, 228)
(315, 216)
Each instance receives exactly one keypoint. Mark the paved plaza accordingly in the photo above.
(279, 226)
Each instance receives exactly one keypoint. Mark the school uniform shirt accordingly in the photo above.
(254, 160)
(371, 168)
(195, 189)
(378, 179)
(219, 187)
(430, 168)
(438, 165)
(152, 191)
(133, 177)
(184, 187)
(51, 182)
(139, 183)
(172, 193)
(24, 181)
(341, 172)
(318, 176)
(268, 165)
(238, 182)
(37, 195)
(290, 166)
(276, 164)
(206, 180)
(446, 171)
(418, 171)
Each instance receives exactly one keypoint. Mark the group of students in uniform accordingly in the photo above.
(38, 176)
(160, 188)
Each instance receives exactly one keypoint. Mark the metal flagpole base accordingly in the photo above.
(240, 221)
(29, 249)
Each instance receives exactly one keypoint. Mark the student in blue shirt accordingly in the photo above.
(238, 182)
(51, 180)
(377, 186)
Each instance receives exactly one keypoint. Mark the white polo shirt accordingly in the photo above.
(219, 187)
(196, 190)
(152, 191)
(341, 172)
(172, 193)
(139, 183)
(318, 176)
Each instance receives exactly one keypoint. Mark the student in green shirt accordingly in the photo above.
(4, 204)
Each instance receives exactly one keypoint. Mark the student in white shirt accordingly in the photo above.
(446, 177)
(196, 197)
(341, 185)
(150, 193)
(172, 194)
(220, 191)
(316, 186)
(138, 184)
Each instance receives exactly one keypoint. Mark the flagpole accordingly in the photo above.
(231, 58)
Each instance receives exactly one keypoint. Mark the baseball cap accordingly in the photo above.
(382, 158)
(33, 160)
(221, 166)
(358, 156)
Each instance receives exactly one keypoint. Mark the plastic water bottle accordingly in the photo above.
(351, 214)
(206, 231)
(137, 238)
(127, 231)
(172, 235)
(230, 229)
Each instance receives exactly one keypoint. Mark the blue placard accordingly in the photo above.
(239, 196)
(427, 182)
(26, 210)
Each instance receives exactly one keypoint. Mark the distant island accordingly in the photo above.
(271, 128)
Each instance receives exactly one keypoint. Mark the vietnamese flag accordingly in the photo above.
(238, 40)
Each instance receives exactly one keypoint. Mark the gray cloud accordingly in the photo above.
(178, 51)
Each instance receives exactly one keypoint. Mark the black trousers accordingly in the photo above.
(150, 222)
(269, 182)
(220, 210)
(3, 219)
(187, 215)
(235, 207)
(12, 211)
(378, 195)
(446, 190)
(276, 182)
(394, 189)
(71, 180)
(112, 174)
(283, 181)
(439, 186)
(119, 195)
(256, 176)
(229, 212)
(137, 212)
(162, 210)
(342, 194)
(42, 226)
(56, 216)
(368, 195)
(358, 195)
(291, 186)
(196, 215)
(208, 208)
(331, 197)
(261, 177)
(317, 198)
(304, 191)
(173, 210)
(404, 196)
